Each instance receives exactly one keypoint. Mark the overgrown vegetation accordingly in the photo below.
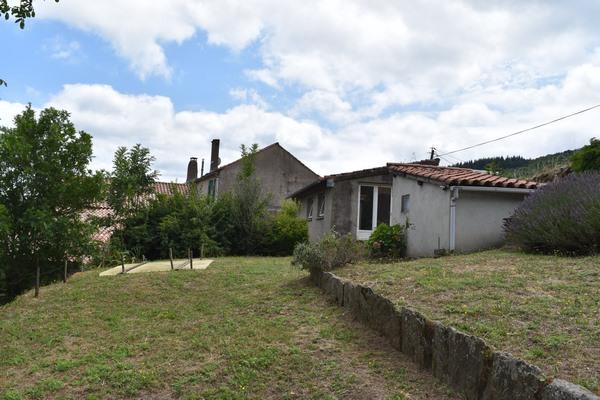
(331, 252)
(236, 223)
(587, 158)
(387, 242)
(245, 328)
(542, 308)
(178, 221)
(286, 230)
(561, 217)
(131, 182)
(45, 184)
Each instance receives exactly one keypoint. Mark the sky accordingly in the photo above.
(341, 84)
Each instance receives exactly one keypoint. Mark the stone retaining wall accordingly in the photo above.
(464, 362)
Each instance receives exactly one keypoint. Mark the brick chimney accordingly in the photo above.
(192, 170)
(214, 155)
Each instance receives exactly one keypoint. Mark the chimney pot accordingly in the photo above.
(192, 170)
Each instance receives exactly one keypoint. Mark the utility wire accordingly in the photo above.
(522, 131)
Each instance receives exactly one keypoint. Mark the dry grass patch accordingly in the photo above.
(246, 328)
(544, 309)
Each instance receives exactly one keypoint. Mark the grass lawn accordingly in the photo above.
(544, 309)
(243, 328)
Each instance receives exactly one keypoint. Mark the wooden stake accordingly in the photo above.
(202, 251)
(37, 277)
(65, 275)
(122, 264)
(190, 256)
(171, 257)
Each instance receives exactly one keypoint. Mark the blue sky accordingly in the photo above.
(343, 85)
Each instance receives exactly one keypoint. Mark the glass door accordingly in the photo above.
(374, 208)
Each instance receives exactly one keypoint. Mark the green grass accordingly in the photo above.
(544, 309)
(244, 328)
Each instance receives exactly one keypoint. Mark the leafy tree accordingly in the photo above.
(180, 221)
(248, 207)
(45, 184)
(131, 181)
(20, 12)
(587, 158)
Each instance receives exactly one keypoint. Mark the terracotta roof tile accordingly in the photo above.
(460, 176)
(171, 187)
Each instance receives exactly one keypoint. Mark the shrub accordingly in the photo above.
(332, 251)
(180, 222)
(587, 158)
(287, 230)
(387, 242)
(561, 217)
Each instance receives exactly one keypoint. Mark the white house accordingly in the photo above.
(444, 208)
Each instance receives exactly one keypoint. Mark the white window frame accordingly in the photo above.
(321, 207)
(405, 208)
(362, 234)
(310, 206)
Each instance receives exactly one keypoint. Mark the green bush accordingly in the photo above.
(587, 158)
(331, 252)
(287, 230)
(387, 242)
(180, 222)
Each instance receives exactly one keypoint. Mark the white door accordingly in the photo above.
(374, 208)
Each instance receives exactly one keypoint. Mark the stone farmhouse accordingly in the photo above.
(277, 170)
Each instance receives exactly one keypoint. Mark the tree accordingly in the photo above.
(20, 12)
(493, 168)
(45, 184)
(587, 158)
(249, 207)
(131, 181)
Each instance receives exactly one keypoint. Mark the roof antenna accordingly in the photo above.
(432, 153)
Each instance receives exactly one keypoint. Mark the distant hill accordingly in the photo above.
(543, 168)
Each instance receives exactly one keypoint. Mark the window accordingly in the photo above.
(212, 187)
(321, 205)
(405, 204)
(384, 197)
(374, 208)
(365, 217)
(309, 209)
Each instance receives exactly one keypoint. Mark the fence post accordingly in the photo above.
(190, 256)
(65, 275)
(122, 263)
(171, 257)
(202, 250)
(37, 276)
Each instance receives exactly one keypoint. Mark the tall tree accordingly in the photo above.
(131, 181)
(249, 207)
(45, 184)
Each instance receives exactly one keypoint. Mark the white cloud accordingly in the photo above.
(416, 50)
(118, 119)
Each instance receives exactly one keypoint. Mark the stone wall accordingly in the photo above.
(464, 362)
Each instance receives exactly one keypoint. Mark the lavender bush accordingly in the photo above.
(562, 217)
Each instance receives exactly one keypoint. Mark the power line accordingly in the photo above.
(522, 131)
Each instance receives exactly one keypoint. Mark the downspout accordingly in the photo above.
(453, 197)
